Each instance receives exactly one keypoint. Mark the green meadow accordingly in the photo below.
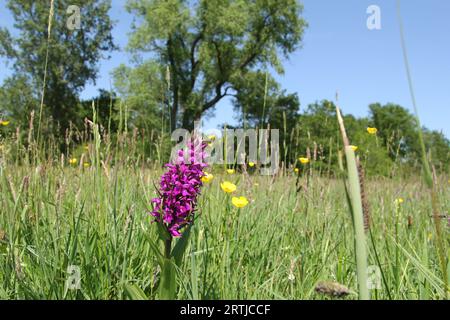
(280, 246)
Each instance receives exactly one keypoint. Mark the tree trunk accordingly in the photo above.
(188, 124)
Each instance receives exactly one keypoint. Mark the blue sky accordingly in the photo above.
(340, 53)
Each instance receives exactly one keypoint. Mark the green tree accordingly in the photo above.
(372, 152)
(318, 131)
(17, 100)
(106, 109)
(438, 147)
(143, 92)
(259, 101)
(209, 46)
(317, 126)
(73, 54)
(397, 130)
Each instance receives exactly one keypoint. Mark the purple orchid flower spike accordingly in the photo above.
(180, 187)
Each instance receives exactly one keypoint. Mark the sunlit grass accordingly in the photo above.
(277, 247)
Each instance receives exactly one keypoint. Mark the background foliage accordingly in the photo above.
(187, 56)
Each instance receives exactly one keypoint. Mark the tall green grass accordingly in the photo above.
(441, 238)
(54, 217)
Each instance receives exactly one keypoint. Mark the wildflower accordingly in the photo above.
(372, 131)
(251, 164)
(256, 184)
(180, 188)
(73, 161)
(354, 148)
(228, 187)
(86, 164)
(4, 123)
(207, 177)
(430, 236)
(296, 170)
(398, 202)
(230, 171)
(239, 202)
(291, 277)
(303, 160)
(211, 139)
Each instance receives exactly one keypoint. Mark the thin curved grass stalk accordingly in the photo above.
(428, 176)
(41, 107)
(357, 211)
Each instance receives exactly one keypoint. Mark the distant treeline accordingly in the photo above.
(186, 57)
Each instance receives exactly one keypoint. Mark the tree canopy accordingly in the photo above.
(186, 56)
(72, 56)
(211, 46)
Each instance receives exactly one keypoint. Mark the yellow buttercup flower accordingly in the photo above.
(86, 164)
(399, 200)
(354, 148)
(73, 161)
(4, 123)
(207, 177)
(303, 160)
(239, 202)
(256, 184)
(296, 170)
(230, 171)
(372, 130)
(430, 236)
(251, 164)
(212, 137)
(228, 187)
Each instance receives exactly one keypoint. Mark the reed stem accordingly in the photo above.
(357, 211)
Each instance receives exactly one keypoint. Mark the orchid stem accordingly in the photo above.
(168, 248)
